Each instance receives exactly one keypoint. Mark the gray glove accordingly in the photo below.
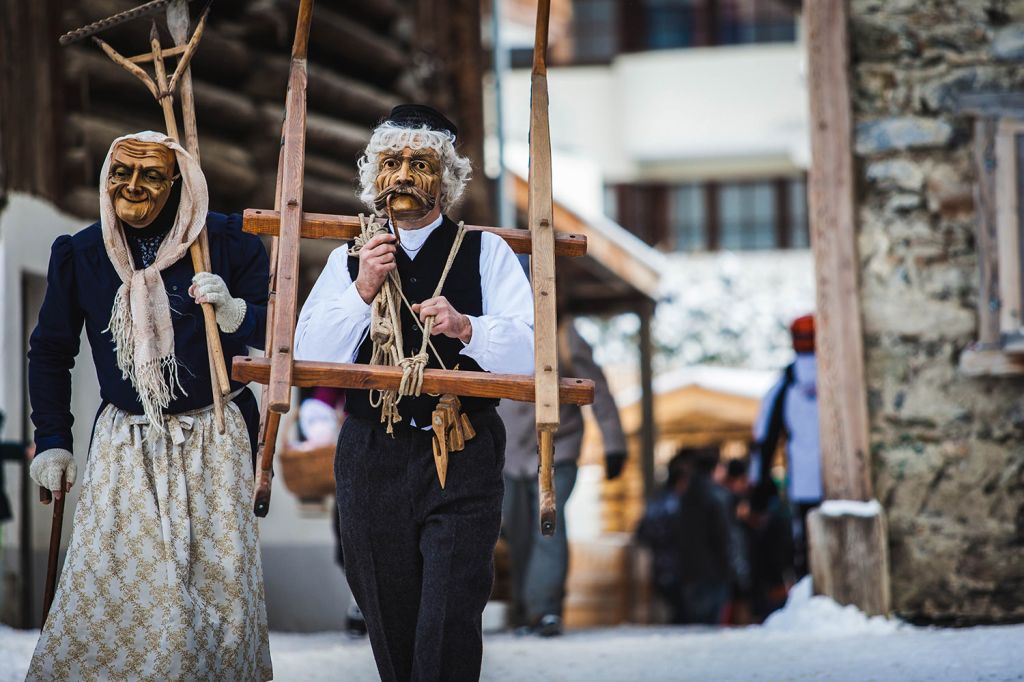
(210, 288)
(48, 466)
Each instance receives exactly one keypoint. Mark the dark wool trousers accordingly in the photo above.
(419, 559)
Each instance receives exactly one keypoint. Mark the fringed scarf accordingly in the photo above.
(140, 321)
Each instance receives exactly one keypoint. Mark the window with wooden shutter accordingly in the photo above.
(999, 160)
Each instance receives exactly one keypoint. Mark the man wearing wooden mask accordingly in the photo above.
(162, 579)
(419, 537)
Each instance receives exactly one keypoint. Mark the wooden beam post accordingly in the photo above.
(291, 186)
(647, 425)
(843, 530)
(540, 216)
(988, 255)
(842, 396)
(284, 266)
(842, 401)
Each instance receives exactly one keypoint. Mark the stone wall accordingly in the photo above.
(948, 450)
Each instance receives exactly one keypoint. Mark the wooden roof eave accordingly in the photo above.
(618, 251)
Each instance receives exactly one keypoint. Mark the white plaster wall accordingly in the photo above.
(28, 226)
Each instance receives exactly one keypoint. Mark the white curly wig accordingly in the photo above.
(455, 169)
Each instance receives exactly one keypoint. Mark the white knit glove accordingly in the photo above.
(210, 288)
(48, 466)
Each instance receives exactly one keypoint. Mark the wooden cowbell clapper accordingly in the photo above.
(286, 224)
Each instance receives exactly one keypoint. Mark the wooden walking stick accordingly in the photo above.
(56, 528)
(163, 90)
(542, 272)
(285, 275)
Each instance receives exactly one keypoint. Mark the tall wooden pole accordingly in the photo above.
(842, 396)
(177, 24)
(647, 424)
(285, 268)
(848, 548)
(199, 255)
(542, 271)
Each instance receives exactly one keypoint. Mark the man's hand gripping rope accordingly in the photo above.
(379, 285)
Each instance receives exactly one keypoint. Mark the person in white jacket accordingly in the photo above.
(791, 408)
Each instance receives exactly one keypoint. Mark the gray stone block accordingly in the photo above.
(901, 133)
(1008, 44)
(896, 174)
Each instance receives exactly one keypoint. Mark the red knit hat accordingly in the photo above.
(802, 330)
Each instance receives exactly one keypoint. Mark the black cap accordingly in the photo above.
(419, 115)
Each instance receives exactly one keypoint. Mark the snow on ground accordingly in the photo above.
(805, 612)
(812, 639)
(663, 654)
(667, 654)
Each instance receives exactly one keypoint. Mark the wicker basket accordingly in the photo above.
(308, 473)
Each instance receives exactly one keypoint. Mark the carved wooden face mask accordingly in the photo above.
(139, 181)
(408, 182)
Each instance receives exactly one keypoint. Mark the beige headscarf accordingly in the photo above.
(140, 320)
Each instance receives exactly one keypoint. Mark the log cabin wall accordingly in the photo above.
(365, 56)
(28, 100)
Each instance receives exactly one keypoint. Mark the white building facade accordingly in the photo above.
(688, 118)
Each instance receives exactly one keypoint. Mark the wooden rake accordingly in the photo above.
(163, 90)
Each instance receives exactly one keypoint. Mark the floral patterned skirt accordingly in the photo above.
(162, 579)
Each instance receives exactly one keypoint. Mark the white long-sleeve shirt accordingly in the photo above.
(335, 319)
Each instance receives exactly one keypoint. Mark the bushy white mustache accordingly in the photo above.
(380, 202)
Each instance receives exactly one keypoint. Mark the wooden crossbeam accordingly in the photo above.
(343, 227)
(164, 53)
(435, 381)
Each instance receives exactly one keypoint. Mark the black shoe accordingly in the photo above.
(355, 625)
(549, 626)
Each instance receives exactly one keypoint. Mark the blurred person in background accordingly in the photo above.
(656, 533)
(737, 484)
(320, 418)
(704, 540)
(539, 564)
(769, 539)
(791, 408)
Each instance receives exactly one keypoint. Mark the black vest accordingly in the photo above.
(419, 279)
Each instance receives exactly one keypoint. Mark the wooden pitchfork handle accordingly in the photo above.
(56, 526)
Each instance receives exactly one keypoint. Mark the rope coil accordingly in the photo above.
(386, 327)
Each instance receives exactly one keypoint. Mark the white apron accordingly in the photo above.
(162, 579)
